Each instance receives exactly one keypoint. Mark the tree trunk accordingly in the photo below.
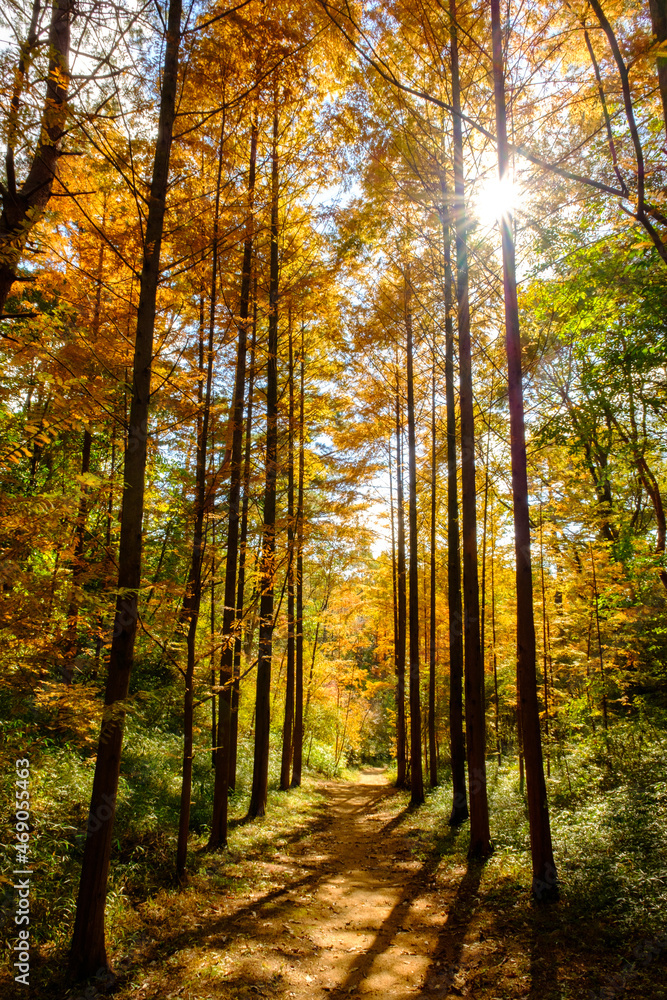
(88, 951)
(459, 811)
(218, 834)
(394, 579)
(243, 546)
(189, 617)
(416, 776)
(545, 649)
(433, 760)
(260, 774)
(401, 764)
(493, 638)
(288, 723)
(485, 523)
(480, 841)
(545, 881)
(21, 210)
(298, 692)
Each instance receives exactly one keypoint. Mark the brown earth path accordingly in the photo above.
(342, 891)
(370, 926)
(350, 913)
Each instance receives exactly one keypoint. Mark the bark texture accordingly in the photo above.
(88, 950)
(416, 775)
(267, 571)
(22, 209)
(545, 881)
(480, 840)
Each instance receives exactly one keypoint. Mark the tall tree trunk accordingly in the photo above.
(21, 210)
(71, 640)
(545, 882)
(298, 692)
(288, 723)
(493, 638)
(545, 648)
(88, 951)
(459, 811)
(485, 521)
(401, 763)
(192, 601)
(260, 774)
(218, 834)
(394, 580)
(243, 539)
(433, 760)
(189, 616)
(243, 549)
(480, 840)
(416, 775)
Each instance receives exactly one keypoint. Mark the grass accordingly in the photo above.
(608, 795)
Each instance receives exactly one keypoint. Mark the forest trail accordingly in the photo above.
(368, 926)
(350, 913)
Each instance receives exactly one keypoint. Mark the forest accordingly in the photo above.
(333, 572)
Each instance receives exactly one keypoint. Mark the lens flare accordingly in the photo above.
(496, 199)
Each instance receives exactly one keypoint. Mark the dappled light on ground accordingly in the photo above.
(359, 901)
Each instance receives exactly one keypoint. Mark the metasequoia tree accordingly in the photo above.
(474, 663)
(433, 761)
(297, 756)
(416, 777)
(230, 626)
(288, 722)
(545, 881)
(189, 617)
(401, 603)
(258, 795)
(459, 811)
(88, 950)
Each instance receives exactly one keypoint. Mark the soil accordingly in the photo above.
(351, 913)
(360, 919)
(351, 906)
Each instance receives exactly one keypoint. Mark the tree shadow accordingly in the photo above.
(446, 961)
(544, 965)
(243, 920)
(450, 940)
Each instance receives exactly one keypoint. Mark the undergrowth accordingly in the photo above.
(607, 792)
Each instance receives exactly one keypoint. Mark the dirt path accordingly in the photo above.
(371, 926)
(356, 915)
(351, 897)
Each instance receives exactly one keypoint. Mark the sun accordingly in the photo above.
(495, 199)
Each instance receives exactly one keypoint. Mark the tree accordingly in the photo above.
(21, 208)
(480, 844)
(459, 811)
(432, 751)
(88, 950)
(545, 880)
(230, 626)
(416, 778)
(267, 571)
